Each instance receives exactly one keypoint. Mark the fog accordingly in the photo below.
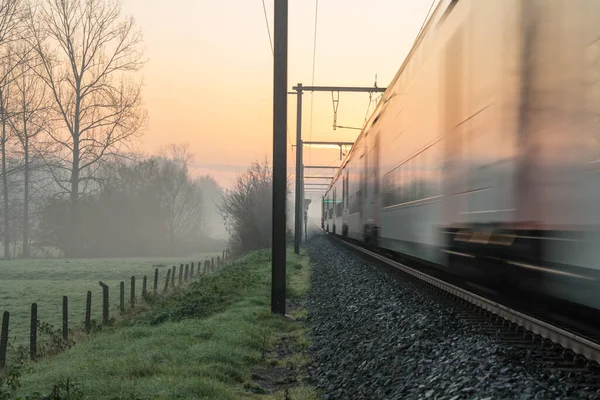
(144, 205)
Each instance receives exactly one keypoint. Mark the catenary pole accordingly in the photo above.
(299, 205)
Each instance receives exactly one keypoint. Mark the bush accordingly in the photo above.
(247, 209)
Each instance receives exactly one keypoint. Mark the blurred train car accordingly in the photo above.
(483, 155)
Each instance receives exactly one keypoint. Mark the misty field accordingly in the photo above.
(46, 281)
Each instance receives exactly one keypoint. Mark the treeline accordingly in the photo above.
(152, 206)
(70, 112)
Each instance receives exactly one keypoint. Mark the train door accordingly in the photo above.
(333, 205)
(371, 188)
(375, 206)
(362, 193)
(345, 204)
(323, 212)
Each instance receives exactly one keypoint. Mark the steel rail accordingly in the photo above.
(568, 340)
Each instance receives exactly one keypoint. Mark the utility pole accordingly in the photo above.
(278, 259)
(299, 196)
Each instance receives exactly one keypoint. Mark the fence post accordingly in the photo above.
(33, 333)
(206, 265)
(187, 271)
(192, 271)
(167, 280)
(122, 296)
(180, 275)
(155, 281)
(132, 291)
(223, 257)
(65, 324)
(144, 287)
(104, 302)
(88, 313)
(173, 276)
(212, 264)
(218, 261)
(4, 339)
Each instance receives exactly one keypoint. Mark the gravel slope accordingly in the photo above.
(377, 337)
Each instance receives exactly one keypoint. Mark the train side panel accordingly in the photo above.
(441, 165)
(560, 176)
(480, 69)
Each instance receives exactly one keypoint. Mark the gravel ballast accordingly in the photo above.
(377, 336)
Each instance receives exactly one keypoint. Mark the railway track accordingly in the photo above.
(552, 344)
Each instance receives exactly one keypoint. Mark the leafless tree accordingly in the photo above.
(11, 29)
(246, 208)
(29, 119)
(10, 23)
(88, 55)
(182, 197)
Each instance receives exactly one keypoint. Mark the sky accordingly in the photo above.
(208, 79)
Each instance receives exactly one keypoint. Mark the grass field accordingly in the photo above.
(204, 342)
(46, 281)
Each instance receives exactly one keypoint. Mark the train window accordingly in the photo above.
(424, 174)
(395, 186)
(417, 175)
(406, 182)
(413, 180)
(437, 166)
(395, 189)
(347, 187)
(343, 187)
(398, 186)
(400, 189)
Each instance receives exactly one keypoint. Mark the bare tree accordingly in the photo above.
(10, 23)
(88, 54)
(29, 119)
(4, 137)
(182, 198)
(10, 31)
(246, 208)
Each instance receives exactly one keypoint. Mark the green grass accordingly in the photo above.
(46, 281)
(200, 343)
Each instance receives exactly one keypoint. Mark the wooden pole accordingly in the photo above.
(104, 303)
(33, 333)
(88, 313)
(167, 280)
(65, 321)
(4, 339)
(122, 296)
(133, 292)
(155, 281)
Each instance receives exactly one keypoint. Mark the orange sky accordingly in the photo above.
(208, 81)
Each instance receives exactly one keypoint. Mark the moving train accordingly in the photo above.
(483, 155)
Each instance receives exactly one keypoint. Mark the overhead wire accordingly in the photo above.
(268, 29)
(313, 74)
(287, 132)
(376, 100)
(425, 20)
